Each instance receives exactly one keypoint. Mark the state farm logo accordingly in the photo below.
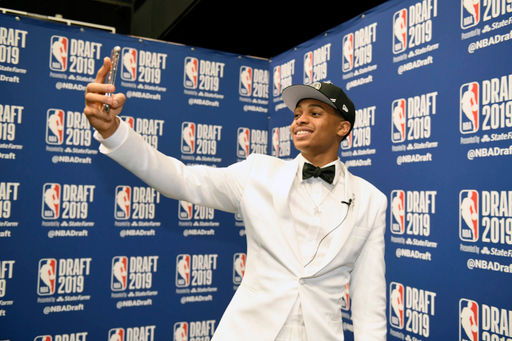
(202, 74)
(315, 64)
(251, 141)
(469, 13)
(239, 260)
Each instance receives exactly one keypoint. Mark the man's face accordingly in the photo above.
(316, 127)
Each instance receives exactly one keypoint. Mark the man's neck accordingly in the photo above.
(320, 160)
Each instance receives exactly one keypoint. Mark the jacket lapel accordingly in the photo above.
(341, 234)
(281, 190)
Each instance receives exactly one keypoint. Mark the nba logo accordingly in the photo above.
(182, 271)
(397, 212)
(185, 210)
(181, 331)
(43, 338)
(469, 108)
(308, 68)
(130, 120)
(129, 64)
(245, 86)
(123, 202)
(469, 13)
(398, 120)
(59, 53)
(396, 305)
(244, 137)
(348, 52)
(345, 303)
(47, 276)
(275, 142)
(468, 320)
(119, 273)
(468, 215)
(191, 72)
(188, 137)
(116, 334)
(400, 31)
(277, 81)
(55, 126)
(51, 201)
(347, 142)
(238, 267)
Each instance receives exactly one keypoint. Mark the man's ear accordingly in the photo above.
(344, 128)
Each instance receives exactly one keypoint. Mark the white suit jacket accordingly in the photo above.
(258, 188)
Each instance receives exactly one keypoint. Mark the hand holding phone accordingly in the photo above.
(111, 77)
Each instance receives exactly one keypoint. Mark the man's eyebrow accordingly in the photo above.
(311, 105)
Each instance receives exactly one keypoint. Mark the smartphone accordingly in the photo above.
(111, 77)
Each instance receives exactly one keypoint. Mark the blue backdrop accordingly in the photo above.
(89, 251)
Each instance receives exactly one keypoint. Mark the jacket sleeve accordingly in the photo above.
(219, 188)
(368, 283)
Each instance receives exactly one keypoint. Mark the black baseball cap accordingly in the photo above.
(324, 92)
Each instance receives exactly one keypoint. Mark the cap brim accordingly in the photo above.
(293, 94)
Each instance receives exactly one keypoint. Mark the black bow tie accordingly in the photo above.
(326, 174)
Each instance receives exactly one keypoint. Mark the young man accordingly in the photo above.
(312, 227)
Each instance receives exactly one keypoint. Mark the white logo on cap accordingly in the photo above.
(345, 108)
(316, 85)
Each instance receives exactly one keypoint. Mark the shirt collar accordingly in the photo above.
(336, 163)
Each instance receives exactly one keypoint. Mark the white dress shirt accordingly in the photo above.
(311, 228)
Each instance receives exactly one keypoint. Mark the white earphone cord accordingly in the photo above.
(346, 215)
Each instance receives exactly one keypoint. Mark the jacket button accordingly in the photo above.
(301, 281)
